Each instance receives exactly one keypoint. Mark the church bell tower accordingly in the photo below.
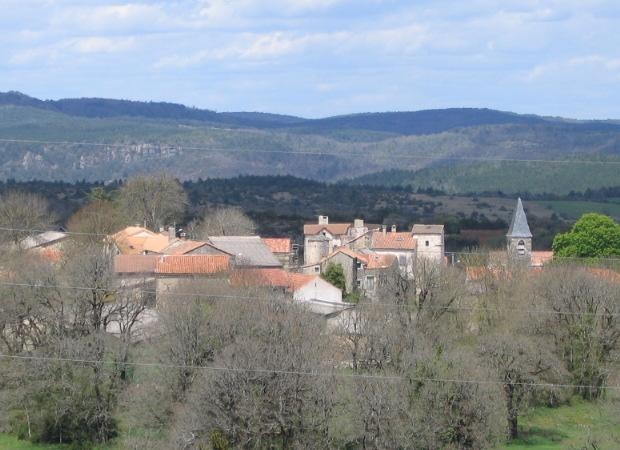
(519, 236)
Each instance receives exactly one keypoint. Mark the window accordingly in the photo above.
(521, 248)
(426, 243)
(370, 283)
(317, 269)
(402, 260)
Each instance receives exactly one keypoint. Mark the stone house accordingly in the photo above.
(322, 238)
(401, 245)
(364, 270)
(430, 241)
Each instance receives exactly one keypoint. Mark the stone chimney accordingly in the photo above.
(393, 228)
(383, 229)
(172, 234)
(323, 220)
(358, 223)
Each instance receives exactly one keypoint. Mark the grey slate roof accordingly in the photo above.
(518, 226)
(426, 229)
(42, 239)
(247, 250)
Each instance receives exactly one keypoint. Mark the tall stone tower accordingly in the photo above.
(519, 237)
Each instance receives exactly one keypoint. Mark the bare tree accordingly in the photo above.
(586, 326)
(267, 395)
(226, 221)
(21, 212)
(97, 219)
(154, 201)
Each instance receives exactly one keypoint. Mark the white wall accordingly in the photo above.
(430, 246)
(318, 289)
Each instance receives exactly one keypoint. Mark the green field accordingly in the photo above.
(566, 427)
(570, 427)
(575, 209)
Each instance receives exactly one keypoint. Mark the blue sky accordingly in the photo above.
(318, 58)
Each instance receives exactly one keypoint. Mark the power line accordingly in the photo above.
(313, 153)
(307, 373)
(215, 297)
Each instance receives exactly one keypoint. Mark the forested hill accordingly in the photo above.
(405, 123)
(104, 139)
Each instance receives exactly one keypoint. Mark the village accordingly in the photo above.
(368, 257)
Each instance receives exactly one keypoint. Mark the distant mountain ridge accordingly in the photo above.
(405, 122)
(106, 139)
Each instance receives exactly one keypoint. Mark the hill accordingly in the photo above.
(105, 139)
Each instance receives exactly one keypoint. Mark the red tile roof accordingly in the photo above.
(172, 264)
(192, 264)
(540, 258)
(393, 241)
(605, 274)
(372, 260)
(335, 229)
(279, 245)
(135, 263)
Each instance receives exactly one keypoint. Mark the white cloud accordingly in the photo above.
(73, 46)
(127, 16)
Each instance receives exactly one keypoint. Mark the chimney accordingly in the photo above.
(383, 229)
(393, 228)
(323, 220)
(172, 234)
(358, 223)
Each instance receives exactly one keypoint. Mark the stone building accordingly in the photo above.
(519, 236)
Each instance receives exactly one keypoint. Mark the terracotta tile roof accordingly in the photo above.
(172, 264)
(131, 240)
(135, 263)
(335, 229)
(272, 277)
(370, 259)
(540, 258)
(156, 243)
(51, 254)
(192, 264)
(605, 274)
(279, 245)
(393, 241)
(426, 229)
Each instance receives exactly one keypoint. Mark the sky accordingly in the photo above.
(317, 58)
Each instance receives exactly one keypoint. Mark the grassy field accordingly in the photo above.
(567, 427)
(570, 427)
(575, 209)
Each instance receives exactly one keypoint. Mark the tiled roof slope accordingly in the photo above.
(192, 264)
(247, 250)
(393, 241)
(426, 229)
(172, 264)
(335, 229)
(278, 245)
(371, 259)
(518, 226)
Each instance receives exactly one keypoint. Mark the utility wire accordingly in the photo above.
(315, 153)
(215, 297)
(305, 373)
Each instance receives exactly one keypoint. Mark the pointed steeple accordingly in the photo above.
(519, 227)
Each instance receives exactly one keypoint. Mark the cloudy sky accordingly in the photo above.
(320, 57)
